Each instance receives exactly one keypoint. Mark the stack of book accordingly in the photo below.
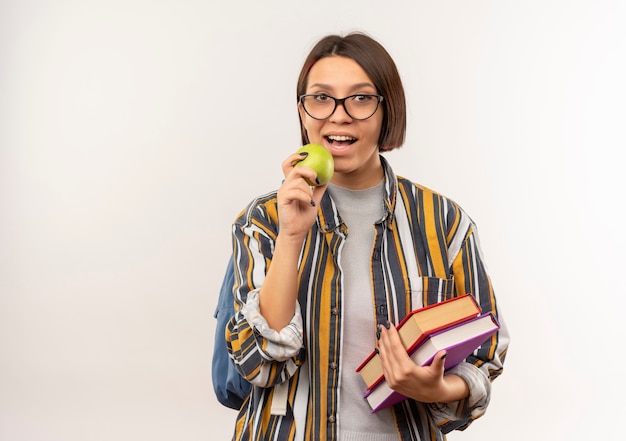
(456, 326)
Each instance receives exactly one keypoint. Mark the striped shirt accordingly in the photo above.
(425, 251)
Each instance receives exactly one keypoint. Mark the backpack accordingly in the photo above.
(231, 389)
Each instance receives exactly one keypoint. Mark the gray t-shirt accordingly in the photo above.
(359, 210)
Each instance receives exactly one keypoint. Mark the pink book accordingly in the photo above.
(459, 341)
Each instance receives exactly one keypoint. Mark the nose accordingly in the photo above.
(340, 115)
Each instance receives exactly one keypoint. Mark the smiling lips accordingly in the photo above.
(340, 140)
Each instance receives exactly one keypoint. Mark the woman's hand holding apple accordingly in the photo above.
(297, 198)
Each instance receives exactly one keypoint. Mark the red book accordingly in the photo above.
(416, 326)
(459, 341)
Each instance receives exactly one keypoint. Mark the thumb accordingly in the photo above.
(440, 360)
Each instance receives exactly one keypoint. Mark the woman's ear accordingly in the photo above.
(301, 113)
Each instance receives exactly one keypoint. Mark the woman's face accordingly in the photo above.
(353, 143)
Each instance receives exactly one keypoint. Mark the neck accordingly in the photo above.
(363, 178)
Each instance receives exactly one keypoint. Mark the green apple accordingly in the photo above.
(320, 160)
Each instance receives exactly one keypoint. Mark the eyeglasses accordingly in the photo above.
(321, 106)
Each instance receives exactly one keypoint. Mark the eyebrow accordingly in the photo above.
(352, 88)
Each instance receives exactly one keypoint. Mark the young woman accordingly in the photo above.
(323, 273)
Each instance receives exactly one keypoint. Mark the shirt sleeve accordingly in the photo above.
(275, 345)
(486, 363)
(262, 355)
(459, 414)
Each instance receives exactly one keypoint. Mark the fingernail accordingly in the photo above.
(376, 350)
(317, 180)
(312, 203)
(304, 154)
(387, 324)
(443, 357)
(378, 334)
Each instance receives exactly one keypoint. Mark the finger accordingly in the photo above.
(381, 336)
(297, 194)
(392, 346)
(392, 336)
(305, 174)
(291, 161)
(440, 360)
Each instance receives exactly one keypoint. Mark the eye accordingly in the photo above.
(363, 99)
(322, 98)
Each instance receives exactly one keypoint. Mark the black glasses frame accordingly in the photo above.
(340, 101)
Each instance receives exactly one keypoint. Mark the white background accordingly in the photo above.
(133, 131)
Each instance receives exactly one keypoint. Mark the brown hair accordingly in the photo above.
(379, 66)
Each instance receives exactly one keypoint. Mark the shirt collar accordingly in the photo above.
(328, 216)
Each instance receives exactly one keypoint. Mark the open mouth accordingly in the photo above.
(340, 140)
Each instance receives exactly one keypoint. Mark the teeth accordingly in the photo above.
(340, 138)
